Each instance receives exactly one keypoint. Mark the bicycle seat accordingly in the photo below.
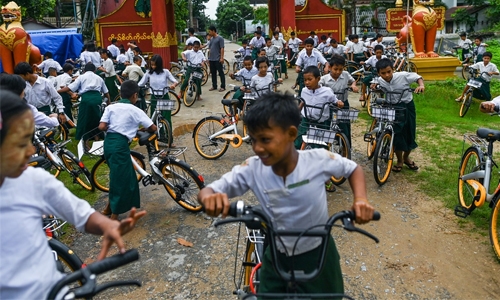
(488, 134)
(145, 137)
(229, 102)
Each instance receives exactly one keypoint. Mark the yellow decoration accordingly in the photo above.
(287, 34)
(436, 68)
(160, 41)
(399, 3)
(129, 37)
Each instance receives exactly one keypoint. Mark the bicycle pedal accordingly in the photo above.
(148, 180)
(461, 211)
(368, 138)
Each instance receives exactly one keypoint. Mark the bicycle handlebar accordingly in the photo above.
(89, 273)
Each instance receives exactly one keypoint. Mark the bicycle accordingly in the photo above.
(403, 64)
(179, 179)
(474, 178)
(61, 159)
(229, 94)
(178, 69)
(473, 85)
(66, 259)
(88, 276)
(192, 93)
(217, 133)
(255, 218)
(238, 62)
(380, 137)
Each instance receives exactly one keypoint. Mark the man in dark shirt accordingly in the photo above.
(216, 59)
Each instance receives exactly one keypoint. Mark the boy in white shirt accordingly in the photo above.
(245, 75)
(315, 38)
(293, 45)
(244, 50)
(281, 44)
(260, 83)
(372, 62)
(336, 48)
(256, 43)
(488, 67)
(465, 44)
(356, 48)
(48, 63)
(195, 59)
(62, 81)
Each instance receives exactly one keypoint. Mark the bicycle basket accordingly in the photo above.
(92, 143)
(165, 104)
(347, 115)
(392, 114)
(237, 55)
(280, 57)
(316, 135)
(197, 75)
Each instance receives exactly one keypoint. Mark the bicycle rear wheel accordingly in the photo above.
(340, 146)
(165, 136)
(351, 67)
(100, 172)
(410, 67)
(229, 95)
(466, 102)
(370, 148)
(494, 225)
(382, 160)
(191, 94)
(173, 96)
(472, 161)
(184, 183)
(465, 72)
(76, 169)
(209, 148)
(225, 67)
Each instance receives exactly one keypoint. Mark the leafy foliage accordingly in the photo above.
(181, 14)
(231, 9)
(464, 17)
(34, 9)
(261, 15)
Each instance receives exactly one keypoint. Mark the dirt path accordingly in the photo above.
(423, 252)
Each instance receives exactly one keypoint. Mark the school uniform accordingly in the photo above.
(159, 82)
(110, 79)
(64, 80)
(404, 131)
(42, 94)
(357, 51)
(123, 120)
(192, 39)
(245, 52)
(49, 63)
(194, 58)
(479, 51)
(339, 50)
(121, 59)
(271, 53)
(256, 43)
(94, 58)
(304, 60)
(371, 61)
(260, 85)
(293, 45)
(245, 80)
(115, 51)
(339, 86)
(89, 86)
(315, 39)
(134, 72)
(465, 45)
(280, 43)
(483, 92)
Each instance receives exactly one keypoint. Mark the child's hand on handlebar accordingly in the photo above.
(488, 107)
(340, 104)
(363, 210)
(214, 203)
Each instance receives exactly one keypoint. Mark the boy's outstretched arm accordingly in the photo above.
(421, 87)
(360, 205)
(214, 203)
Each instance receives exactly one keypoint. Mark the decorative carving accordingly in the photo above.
(160, 41)
(287, 34)
(423, 28)
(15, 43)
(143, 8)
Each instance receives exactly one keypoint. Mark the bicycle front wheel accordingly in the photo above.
(372, 144)
(76, 169)
(190, 94)
(100, 172)
(472, 161)
(340, 146)
(70, 262)
(236, 67)
(494, 225)
(206, 147)
(465, 72)
(410, 67)
(165, 136)
(173, 96)
(204, 79)
(184, 183)
(466, 102)
(225, 67)
(382, 160)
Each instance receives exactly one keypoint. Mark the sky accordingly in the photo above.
(211, 8)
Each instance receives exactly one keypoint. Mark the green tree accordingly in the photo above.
(461, 15)
(261, 15)
(232, 10)
(181, 14)
(34, 9)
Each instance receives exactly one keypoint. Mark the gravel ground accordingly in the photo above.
(423, 252)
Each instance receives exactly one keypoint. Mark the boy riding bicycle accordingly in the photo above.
(483, 92)
(195, 58)
(245, 75)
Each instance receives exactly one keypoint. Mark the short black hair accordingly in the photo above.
(378, 47)
(11, 107)
(52, 69)
(337, 60)
(309, 41)
(260, 60)
(323, 37)
(258, 32)
(122, 50)
(247, 58)
(463, 34)
(13, 83)
(212, 27)
(67, 67)
(196, 43)
(89, 67)
(333, 41)
(190, 44)
(280, 109)
(379, 35)
(191, 30)
(137, 58)
(267, 39)
(487, 53)
(48, 54)
(137, 49)
(128, 89)
(313, 33)
(355, 36)
(114, 41)
(479, 38)
(276, 33)
(383, 63)
(292, 33)
(23, 68)
(312, 70)
(244, 42)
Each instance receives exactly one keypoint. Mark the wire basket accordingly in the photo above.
(165, 104)
(280, 57)
(92, 143)
(347, 115)
(318, 134)
(391, 114)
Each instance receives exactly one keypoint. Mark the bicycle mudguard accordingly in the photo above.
(479, 192)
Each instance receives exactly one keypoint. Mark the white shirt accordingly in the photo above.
(49, 63)
(297, 203)
(293, 44)
(245, 51)
(356, 48)
(109, 68)
(372, 60)
(95, 58)
(192, 39)
(63, 80)
(27, 266)
(130, 55)
(260, 85)
(321, 47)
(88, 81)
(84, 58)
(143, 61)
(121, 58)
(42, 119)
(134, 72)
(195, 58)
(247, 75)
(465, 44)
(280, 42)
(43, 93)
(158, 82)
(115, 51)
(316, 40)
(400, 81)
(125, 118)
(305, 60)
(338, 85)
(257, 43)
(339, 50)
(317, 98)
(496, 101)
(490, 67)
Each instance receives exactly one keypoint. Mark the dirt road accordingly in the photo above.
(423, 252)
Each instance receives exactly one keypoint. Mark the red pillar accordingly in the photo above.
(163, 26)
(286, 11)
(272, 9)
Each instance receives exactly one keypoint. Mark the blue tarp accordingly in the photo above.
(62, 46)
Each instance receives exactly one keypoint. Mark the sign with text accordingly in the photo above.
(394, 18)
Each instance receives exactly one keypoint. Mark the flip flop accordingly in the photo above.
(397, 169)
(221, 90)
(212, 89)
(330, 187)
(411, 166)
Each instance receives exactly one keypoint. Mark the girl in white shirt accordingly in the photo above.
(108, 67)
(261, 82)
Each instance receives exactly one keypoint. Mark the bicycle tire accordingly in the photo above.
(226, 67)
(164, 130)
(472, 161)
(173, 96)
(116, 99)
(382, 159)
(372, 98)
(465, 72)
(370, 148)
(366, 94)
(206, 127)
(340, 146)
(77, 169)
(236, 67)
(351, 67)
(410, 67)
(100, 172)
(466, 103)
(494, 225)
(61, 134)
(191, 94)
(186, 183)
(204, 79)
(175, 70)
(69, 260)
(250, 263)
(229, 95)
